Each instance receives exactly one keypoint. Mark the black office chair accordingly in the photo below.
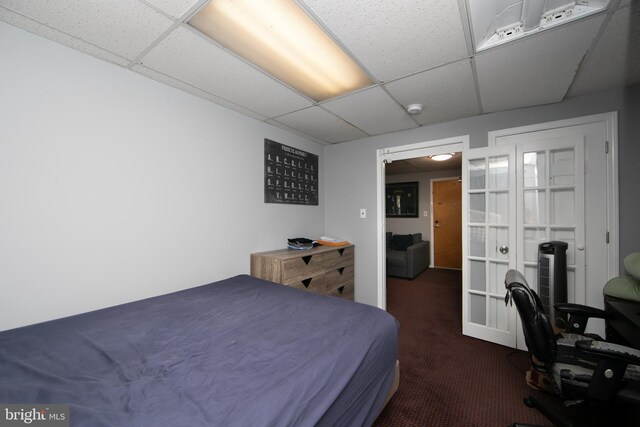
(598, 380)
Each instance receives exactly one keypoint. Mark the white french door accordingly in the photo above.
(550, 183)
(518, 196)
(489, 240)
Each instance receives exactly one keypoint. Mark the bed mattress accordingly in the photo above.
(238, 352)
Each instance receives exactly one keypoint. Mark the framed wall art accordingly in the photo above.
(402, 200)
(290, 175)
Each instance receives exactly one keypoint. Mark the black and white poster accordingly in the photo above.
(290, 175)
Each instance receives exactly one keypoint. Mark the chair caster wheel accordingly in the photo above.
(527, 401)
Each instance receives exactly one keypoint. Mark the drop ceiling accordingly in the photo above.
(416, 51)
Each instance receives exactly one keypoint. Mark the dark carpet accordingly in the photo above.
(447, 379)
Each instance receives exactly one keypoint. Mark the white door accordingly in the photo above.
(518, 196)
(550, 182)
(489, 242)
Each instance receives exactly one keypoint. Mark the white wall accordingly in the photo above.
(352, 184)
(114, 187)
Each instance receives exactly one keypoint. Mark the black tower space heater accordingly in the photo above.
(552, 276)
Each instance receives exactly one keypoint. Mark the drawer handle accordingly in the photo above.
(341, 270)
(341, 251)
(340, 290)
(306, 282)
(306, 259)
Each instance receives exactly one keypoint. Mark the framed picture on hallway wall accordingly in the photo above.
(402, 200)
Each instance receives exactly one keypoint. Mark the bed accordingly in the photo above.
(238, 352)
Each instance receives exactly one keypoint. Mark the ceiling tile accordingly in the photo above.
(322, 125)
(446, 92)
(124, 27)
(371, 110)
(534, 70)
(62, 38)
(619, 44)
(173, 8)
(394, 38)
(194, 91)
(187, 56)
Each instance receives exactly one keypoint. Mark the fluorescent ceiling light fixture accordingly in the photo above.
(495, 22)
(441, 157)
(283, 40)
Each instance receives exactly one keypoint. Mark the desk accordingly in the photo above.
(624, 325)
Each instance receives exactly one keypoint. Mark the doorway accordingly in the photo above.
(386, 157)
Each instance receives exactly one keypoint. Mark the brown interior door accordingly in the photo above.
(447, 223)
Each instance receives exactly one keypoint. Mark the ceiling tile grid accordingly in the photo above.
(32, 26)
(371, 110)
(124, 27)
(535, 70)
(188, 57)
(174, 8)
(321, 124)
(446, 92)
(395, 38)
(619, 44)
(416, 50)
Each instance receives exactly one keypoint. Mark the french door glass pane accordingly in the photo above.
(498, 271)
(498, 237)
(566, 235)
(531, 274)
(497, 314)
(535, 207)
(498, 208)
(534, 173)
(477, 172)
(477, 207)
(477, 309)
(562, 169)
(499, 172)
(477, 278)
(532, 237)
(563, 206)
(476, 241)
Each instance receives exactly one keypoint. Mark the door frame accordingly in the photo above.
(388, 155)
(432, 246)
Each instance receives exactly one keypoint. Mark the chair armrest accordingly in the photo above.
(417, 257)
(608, 349)
(581, 309)
(579, 316)
(607, 378)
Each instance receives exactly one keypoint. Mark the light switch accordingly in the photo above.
(425, 213)
(363, 213)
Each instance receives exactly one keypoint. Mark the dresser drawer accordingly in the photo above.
(339, 258)
(316, 284)
(339, 277)
(323, 270)
(346, 292)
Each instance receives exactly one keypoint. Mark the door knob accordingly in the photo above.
(436, 224)
(504, 249)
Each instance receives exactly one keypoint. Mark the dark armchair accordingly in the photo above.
(601, 380)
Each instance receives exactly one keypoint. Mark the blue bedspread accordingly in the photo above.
(239, 352)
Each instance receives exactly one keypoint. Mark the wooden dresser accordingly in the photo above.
(324, 269)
